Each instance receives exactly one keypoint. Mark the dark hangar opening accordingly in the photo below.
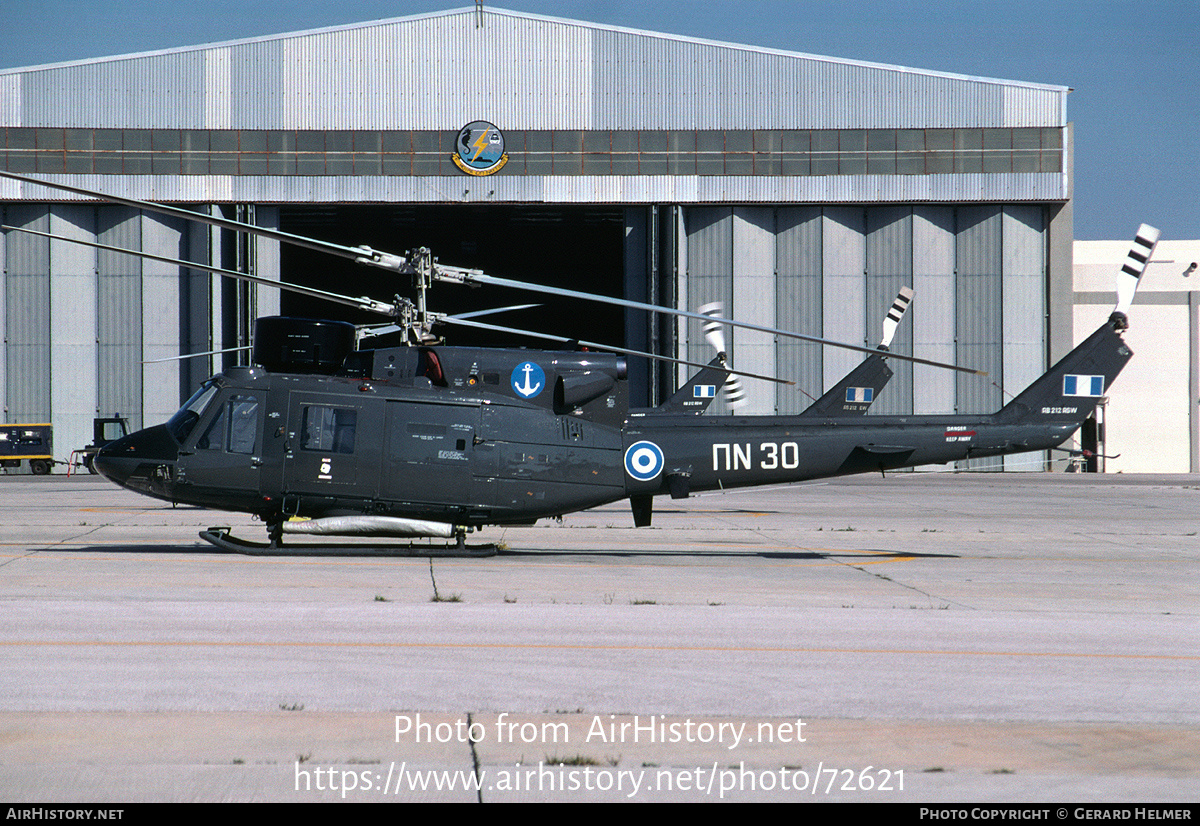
(579, 248)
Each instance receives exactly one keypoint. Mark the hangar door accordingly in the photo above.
(979, 273)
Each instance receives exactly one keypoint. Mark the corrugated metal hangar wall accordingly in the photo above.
(978, 272)
(801, 190)
(83, 327)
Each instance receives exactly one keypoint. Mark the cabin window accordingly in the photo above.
(329, 429)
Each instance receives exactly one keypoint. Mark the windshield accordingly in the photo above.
(181, 424)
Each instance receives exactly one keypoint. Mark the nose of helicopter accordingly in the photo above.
(140, 460)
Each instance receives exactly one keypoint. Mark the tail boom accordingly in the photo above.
(706, 453)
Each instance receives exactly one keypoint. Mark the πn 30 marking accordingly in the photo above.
(772, 455)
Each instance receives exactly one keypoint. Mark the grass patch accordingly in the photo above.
(577, 760)
(580, 760)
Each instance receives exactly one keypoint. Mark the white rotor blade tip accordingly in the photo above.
(1135, 265)
(896, 312)
(735, 394)
(714, 333)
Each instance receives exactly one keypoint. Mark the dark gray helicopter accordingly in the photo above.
(428, 440)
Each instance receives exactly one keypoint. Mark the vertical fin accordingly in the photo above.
(1070, 390)
(854, 394)
(700, 390)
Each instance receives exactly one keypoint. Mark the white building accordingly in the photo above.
(1151, 417)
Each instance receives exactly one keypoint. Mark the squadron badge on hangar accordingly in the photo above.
(479, 149)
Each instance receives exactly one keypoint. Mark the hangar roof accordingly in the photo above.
(523, 71)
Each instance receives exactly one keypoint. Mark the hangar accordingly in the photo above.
(801, 190)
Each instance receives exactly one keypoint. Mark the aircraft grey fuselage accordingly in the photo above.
(425, 440)
(474, 437)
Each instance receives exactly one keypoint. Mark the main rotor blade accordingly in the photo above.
(370, 257)
(196, 355)
(480, 278)
(495, 310)
(368, 304)
(463, 322)
(363, 303)
(362, 255)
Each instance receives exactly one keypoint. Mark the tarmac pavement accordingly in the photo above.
(925, 637)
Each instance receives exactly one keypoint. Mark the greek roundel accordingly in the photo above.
(643, 461)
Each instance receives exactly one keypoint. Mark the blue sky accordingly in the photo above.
(1133, 66)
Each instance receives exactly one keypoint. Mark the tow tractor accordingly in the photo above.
(104, 430)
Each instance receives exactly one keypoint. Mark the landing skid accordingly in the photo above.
(221, 538)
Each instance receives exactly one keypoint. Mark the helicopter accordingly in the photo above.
(321, 436)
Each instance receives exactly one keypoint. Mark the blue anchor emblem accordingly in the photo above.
(528, 380)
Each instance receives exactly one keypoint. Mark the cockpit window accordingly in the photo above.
(214, 437)
(234, 427)
(181, 424)
(243, 424)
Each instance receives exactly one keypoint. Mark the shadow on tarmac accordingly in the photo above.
(404, 552)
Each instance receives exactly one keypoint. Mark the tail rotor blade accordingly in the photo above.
(1135, 265)
(892, 320)
(735, 394)
(714, 333)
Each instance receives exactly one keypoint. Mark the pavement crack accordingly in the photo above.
(34, 551)
(474, 760)
(436, 596)
(914, 588)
